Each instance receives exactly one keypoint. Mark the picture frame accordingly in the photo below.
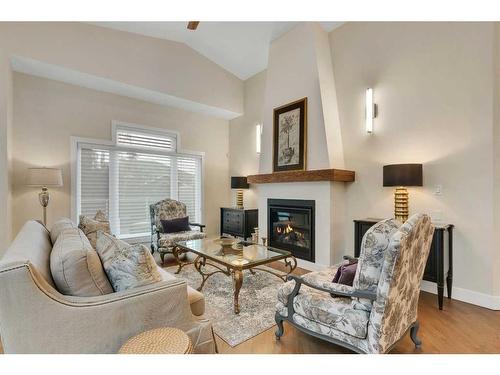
(290, 136)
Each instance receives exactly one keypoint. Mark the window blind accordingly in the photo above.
(142, 139)
(142, 179)
(188, 185)
(94, 181)
(124, 182)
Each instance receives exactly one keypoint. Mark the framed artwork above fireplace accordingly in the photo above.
(290, 132)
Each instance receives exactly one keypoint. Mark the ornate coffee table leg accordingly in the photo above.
(177, 252)
(201, 262)
(237, 282)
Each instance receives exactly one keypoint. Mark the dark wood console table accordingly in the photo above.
(238, 222)
(434, 269)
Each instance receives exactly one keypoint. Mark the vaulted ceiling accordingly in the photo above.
(239, 47)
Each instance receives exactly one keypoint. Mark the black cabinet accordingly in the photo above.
(238, 222)
(434, 269)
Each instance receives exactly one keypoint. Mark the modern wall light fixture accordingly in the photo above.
(370, 110)
(258, 135)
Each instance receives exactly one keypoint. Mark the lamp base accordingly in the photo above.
(401, 204)
(44, 199)
(239, 198)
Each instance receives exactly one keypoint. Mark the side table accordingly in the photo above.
(434, 268)
(158, 341)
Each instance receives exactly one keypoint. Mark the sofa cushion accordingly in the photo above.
(336, 312)
(90, 226)
(76, 267)
(60, 226)
(127, 266)
(168, 240)
(196, 298)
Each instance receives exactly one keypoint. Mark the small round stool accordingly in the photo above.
(158, 341)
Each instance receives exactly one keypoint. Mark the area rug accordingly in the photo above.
(258, 298)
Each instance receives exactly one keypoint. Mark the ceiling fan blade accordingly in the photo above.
(192, 25)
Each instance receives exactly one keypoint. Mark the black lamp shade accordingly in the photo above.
(239, 183)
(403, 175)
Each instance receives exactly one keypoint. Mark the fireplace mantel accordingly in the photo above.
(336, 175)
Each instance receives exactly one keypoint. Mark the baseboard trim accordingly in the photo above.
(466, 295)
(310, 266)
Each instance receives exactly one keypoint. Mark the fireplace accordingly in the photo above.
(291, 226)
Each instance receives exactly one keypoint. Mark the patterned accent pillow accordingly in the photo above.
(127, 266)
(90, 226)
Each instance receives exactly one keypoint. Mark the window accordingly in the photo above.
(139, 168)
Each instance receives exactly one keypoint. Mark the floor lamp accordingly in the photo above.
(44, 178)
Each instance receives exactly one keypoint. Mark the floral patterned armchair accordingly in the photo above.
(169, 209)
(375, 313)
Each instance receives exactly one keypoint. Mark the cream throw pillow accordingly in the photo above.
(90, 226)
(75, 266)
(127, 266)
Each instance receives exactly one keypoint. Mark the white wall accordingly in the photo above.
(5, 150)
(47, 113)
(243, 158)
(496, 170)
(147, 63)
(433, 85)
(292, 74)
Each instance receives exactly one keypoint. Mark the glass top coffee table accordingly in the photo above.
(232, 259)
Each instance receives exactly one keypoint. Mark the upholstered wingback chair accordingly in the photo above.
(375, 313)
(169, 209)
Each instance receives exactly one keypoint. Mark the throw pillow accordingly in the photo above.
(176, 225)
(90, 226)
(127, 266)
(60, 226)
(345, 274)
(75, 266)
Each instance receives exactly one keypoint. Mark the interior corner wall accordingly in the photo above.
(243, 156)
(496, 169)
(433, 85)
(47, 113)
(5, 150)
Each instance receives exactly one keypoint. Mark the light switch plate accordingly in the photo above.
(438, 190)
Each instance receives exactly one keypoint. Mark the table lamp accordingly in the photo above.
(239, 183)
(44, 177)
(401, 176)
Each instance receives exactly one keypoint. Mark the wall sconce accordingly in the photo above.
(371, 110)
(258, 135)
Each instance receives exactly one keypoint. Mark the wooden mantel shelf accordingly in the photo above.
(338, 175)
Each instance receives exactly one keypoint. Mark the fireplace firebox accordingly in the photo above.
(291, 226)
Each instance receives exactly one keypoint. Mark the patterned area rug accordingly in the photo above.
(258, 298)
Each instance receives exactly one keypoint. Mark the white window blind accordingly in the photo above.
(142, 179)
(135, 138)
(123, 181)
(94, 181)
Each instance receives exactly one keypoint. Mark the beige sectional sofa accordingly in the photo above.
(37, 317)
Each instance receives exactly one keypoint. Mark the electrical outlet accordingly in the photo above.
(438, 190)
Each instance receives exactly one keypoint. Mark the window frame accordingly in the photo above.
(78, 142)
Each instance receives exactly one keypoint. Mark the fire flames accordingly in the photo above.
(286, 230)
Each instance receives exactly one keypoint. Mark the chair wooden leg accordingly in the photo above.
(413, 334)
